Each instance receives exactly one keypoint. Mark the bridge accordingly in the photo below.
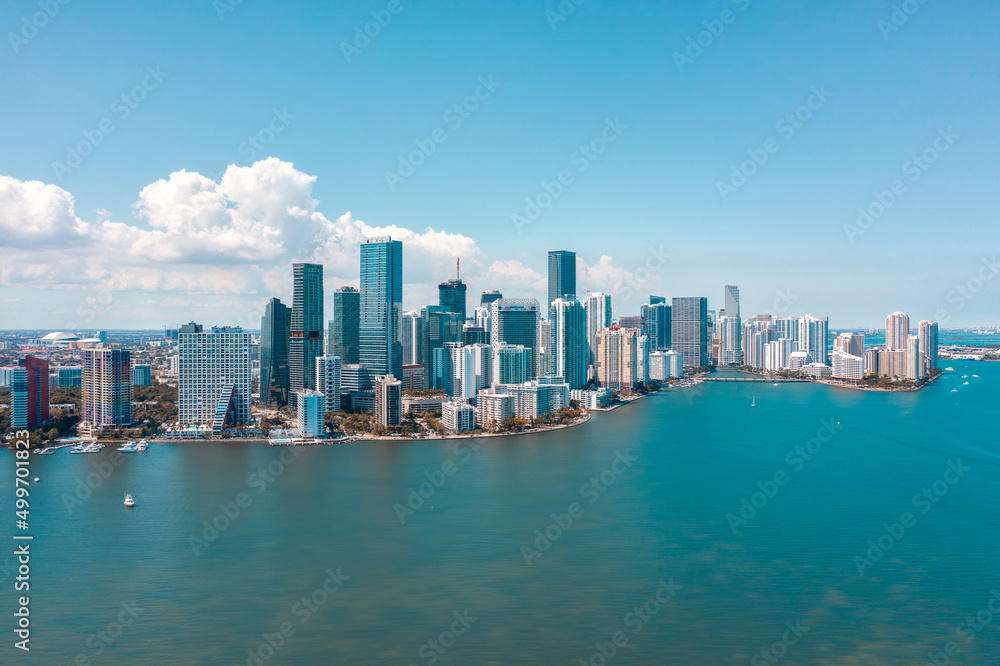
(752, 380)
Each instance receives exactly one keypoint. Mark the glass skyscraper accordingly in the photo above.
(690, 330)
(515, 321)
(306, 341)
(451, 295)
(732, 296)
(562, 275)
(275, 331)
(568, 342)
(381, 306)
(344, 329)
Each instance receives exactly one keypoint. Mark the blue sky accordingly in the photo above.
(119, 258)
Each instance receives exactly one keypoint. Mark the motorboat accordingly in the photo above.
(128, 500)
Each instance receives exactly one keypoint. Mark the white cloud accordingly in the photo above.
(36, 215)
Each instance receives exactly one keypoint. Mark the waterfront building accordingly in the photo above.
(458, 416)
(897, 329)
(816, 370)
(914, 358)
(275, 333)
(872, 359)
(305, 343)
(539, 397)
(690, 330)
(473, 370)
(213, 386)
(310, 417)
(847, 365)
(29, 393)
(328, 379)
(657, 323)
(799, 359)
(344, 337)
(493, 408)
(512, 364)
(106, 387)
(813, 337)
(892, 362)
(440, 328)
(730, 341)
(850, 343)
(598, 309)
(388, 400)
(619, 365)
(562, 275)
(675, 364)
(568, 341)
(928, 333)
(381, 306)
(413, 378)
(658, 368)
(788, 327)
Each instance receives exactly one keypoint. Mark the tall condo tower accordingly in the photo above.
(306, 341)
(562, 275)
(381, 306)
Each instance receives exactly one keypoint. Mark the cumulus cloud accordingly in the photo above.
(36, 215)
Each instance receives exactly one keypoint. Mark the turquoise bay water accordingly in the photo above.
(663, 517)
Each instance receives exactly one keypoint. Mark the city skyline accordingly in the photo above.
(163, 216)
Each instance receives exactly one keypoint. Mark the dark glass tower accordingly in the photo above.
(344, 334)
(490, 296)
(657, 324)
(306, 339)
(562, 275)
(451, 295)
(275, 331)
(690, 330)
(381, 306)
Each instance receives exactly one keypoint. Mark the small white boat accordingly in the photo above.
(950, 369)
(37, 479)
(753, 403)
(128, 500)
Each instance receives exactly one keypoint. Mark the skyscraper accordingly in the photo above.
(618, 358)
(813, 338)
(306, 327)
(107, 387)
(328, 373)
(690, 330)
(29, 393)
(213, 386)
(440, 327)
(381, 306)
(928, 334)
(388, 399)
(412, 338)
(344, 335)
(657, 323)
(730, 351)
(562, 275)
(275, 332)
(310, 414)
(515, 321)
(451, 295)
(897, 331)
(598, 308)
(568, 342)
(512, 364)
(732, 298)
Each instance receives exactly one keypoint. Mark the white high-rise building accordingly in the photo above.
(493, 408)
(897, 329)
(598, 308)
(788, 327)
(928, 333)
(511, 364)
(658, 368)
(847, 366)
(730, 335)
(309, 404)
(458, 416)
(813, 337)
(213, 386)
(412, 338)
(732, 301)
(914, 359)
(328, 382)
(473, 370)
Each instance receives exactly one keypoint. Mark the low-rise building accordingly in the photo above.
(458, 416)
